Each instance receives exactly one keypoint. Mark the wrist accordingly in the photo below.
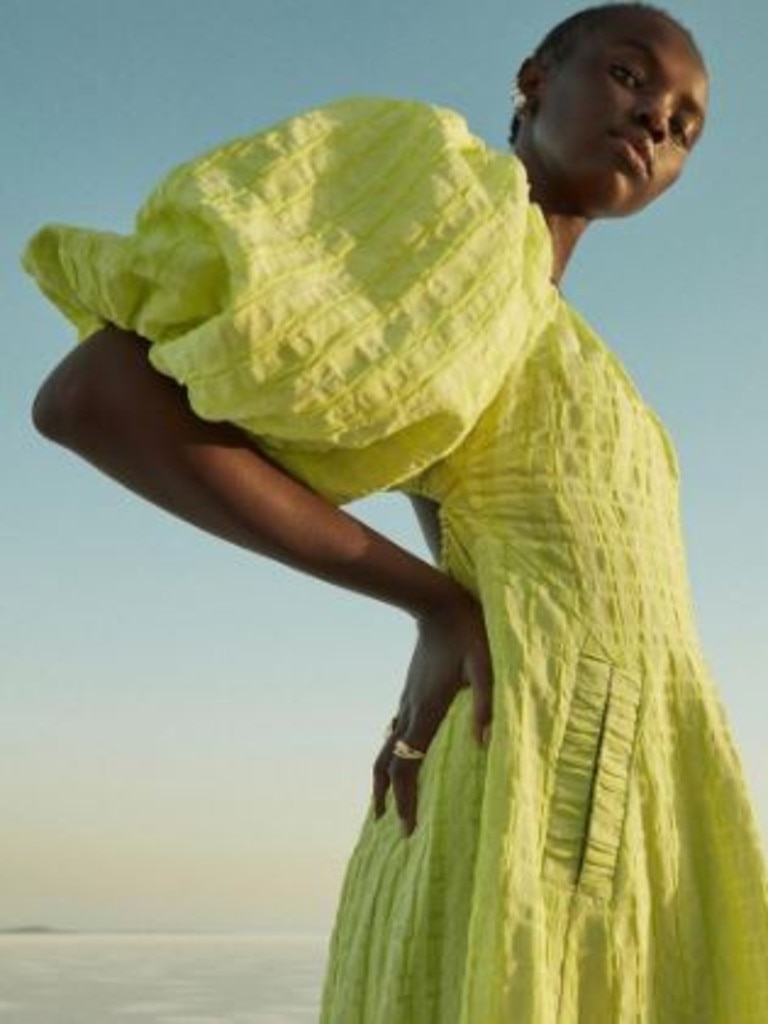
(443, 597)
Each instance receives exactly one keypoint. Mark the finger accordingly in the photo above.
(404, 775)
(481, 680)
(381, 777)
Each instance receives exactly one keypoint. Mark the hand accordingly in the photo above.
(451, 652)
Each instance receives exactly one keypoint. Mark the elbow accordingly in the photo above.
(63, 406)
(46, 414)
(94, 389)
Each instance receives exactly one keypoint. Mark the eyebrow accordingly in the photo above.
(649, 52)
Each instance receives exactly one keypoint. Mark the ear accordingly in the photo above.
(531, 76)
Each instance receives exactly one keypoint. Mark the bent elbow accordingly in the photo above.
(45, 415)
(62, 407)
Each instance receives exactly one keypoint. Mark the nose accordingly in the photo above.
(651, 113)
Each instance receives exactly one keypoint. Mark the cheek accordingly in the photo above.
(575, 125)
(564, 133)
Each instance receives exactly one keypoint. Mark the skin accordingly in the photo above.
(214, 476)
(578, 169)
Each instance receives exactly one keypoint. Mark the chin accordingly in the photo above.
(617, 196)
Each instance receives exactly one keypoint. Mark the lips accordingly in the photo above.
(641, 147)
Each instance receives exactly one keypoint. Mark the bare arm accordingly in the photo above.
(107, 404)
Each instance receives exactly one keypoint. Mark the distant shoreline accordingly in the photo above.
(35, 929)
(46, 930)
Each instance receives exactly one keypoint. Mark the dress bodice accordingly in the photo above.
(571, 477)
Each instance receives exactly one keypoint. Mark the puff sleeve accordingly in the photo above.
(349, 286)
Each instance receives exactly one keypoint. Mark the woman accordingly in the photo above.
(365, 297)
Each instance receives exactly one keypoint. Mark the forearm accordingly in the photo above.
(255, 504)
(106, 403)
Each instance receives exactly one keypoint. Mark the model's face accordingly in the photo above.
(613, 125)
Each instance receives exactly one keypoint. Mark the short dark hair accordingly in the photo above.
(560, 41)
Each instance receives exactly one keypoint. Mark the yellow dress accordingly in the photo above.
(365, 288)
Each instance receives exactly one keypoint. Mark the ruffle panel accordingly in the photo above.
(592, 773)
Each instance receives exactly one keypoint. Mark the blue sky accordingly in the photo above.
(188, 730)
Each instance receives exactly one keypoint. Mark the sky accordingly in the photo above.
(188, 730)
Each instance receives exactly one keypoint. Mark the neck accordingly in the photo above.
(565, 227)
(565, 232)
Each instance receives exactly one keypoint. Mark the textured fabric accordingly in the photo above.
(269, 272)
(365, 288)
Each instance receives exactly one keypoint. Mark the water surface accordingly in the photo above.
(160, 979)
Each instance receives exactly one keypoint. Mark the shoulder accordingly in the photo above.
(433, 134)
(377, 114)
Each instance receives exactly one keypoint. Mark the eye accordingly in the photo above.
(626, 75)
